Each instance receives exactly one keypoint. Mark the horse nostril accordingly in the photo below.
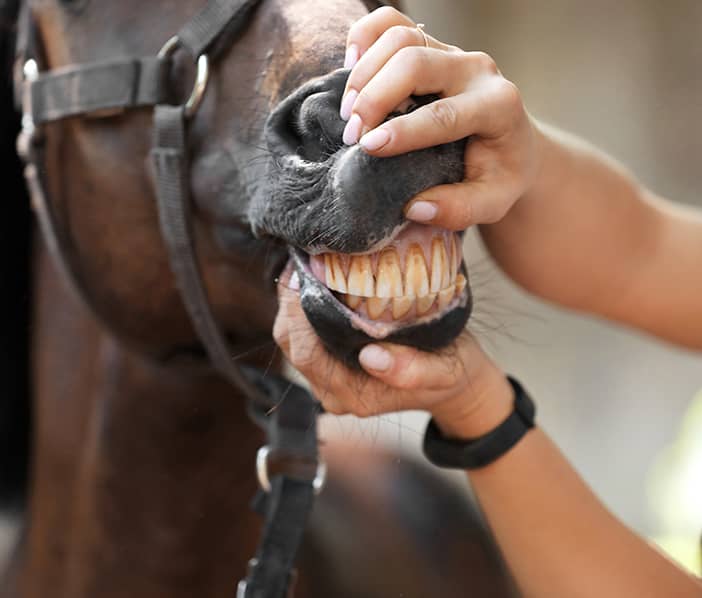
(307, 122)
(320, 127)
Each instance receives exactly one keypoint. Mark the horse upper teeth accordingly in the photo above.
(389, 276)
(416, 277)
(455, 259)
(360, 281)
(380, 280)
(335, 274)
(439, 266)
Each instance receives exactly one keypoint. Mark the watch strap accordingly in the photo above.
(478, 452)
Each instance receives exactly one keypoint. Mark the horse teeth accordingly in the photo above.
(353, 301)
(401, 306)
(389, 275)
(375, 306)
(440, 276)
(457, 256)
(334, 273)
(424, 303)
(416, 276)
(360, 280)
(446, 296)
(461, 283)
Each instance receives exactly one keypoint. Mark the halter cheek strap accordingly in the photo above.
(102, 89)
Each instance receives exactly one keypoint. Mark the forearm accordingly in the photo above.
(588, 236)
(559, 540)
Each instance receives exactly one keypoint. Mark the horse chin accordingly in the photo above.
(412, 289)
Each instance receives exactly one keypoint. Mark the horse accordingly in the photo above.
(136, 475)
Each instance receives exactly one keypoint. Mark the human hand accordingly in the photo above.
(459, 386)
(390, 63)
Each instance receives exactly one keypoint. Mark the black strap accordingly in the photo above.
(291, 429)
(99, 88)
(472, 454)
(271, 574)
(169, 155)
(218, 19)
(106, 88)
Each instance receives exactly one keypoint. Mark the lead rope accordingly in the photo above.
(287, 411)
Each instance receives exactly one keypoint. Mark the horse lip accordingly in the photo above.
(333, 323)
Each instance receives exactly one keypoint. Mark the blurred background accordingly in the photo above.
(626, 76)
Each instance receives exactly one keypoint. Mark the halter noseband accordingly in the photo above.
(287, 411)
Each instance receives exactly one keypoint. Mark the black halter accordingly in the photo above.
(287, 411)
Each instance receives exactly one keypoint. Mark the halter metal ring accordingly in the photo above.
(201, 77)
(264, 479)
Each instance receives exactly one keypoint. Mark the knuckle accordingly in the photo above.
(332, 407)
(387, 13)
(400, 36)
(510, 95)
(484, 61)
(280, 332)
(443, 114)
(369, 107)
(412, 57)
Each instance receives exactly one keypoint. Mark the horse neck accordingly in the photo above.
(135, 459)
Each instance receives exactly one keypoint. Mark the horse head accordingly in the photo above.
(268, 173)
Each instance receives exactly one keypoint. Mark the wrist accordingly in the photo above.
(480, 408)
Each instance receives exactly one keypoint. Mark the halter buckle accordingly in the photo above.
(262, 457)
(202, 75)
(30, 73)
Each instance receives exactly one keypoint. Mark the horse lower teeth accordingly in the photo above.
(399, 307)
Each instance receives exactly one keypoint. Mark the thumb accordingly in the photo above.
(460, 205)
(408, 368)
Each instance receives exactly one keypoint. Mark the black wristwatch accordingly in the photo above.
(478, 452)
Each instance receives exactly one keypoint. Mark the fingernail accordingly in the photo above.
(374, 140)
(347, 103)
(352, 130)
(375, 358)
(422, 211)
(294, 284)
(351, 57)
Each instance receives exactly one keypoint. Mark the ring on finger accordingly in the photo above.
(420, 28)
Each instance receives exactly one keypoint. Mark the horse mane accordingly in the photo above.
(15, 281)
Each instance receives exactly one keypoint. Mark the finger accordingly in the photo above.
(460, 205)
(364, 32)
(390, 42)
(411, 71)
(407, 368)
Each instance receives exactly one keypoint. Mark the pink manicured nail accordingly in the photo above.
(375, 358)
(352, 131)
(375, 139)
(352, 56)
(347, 104)
(422, 211)
(294, 284)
